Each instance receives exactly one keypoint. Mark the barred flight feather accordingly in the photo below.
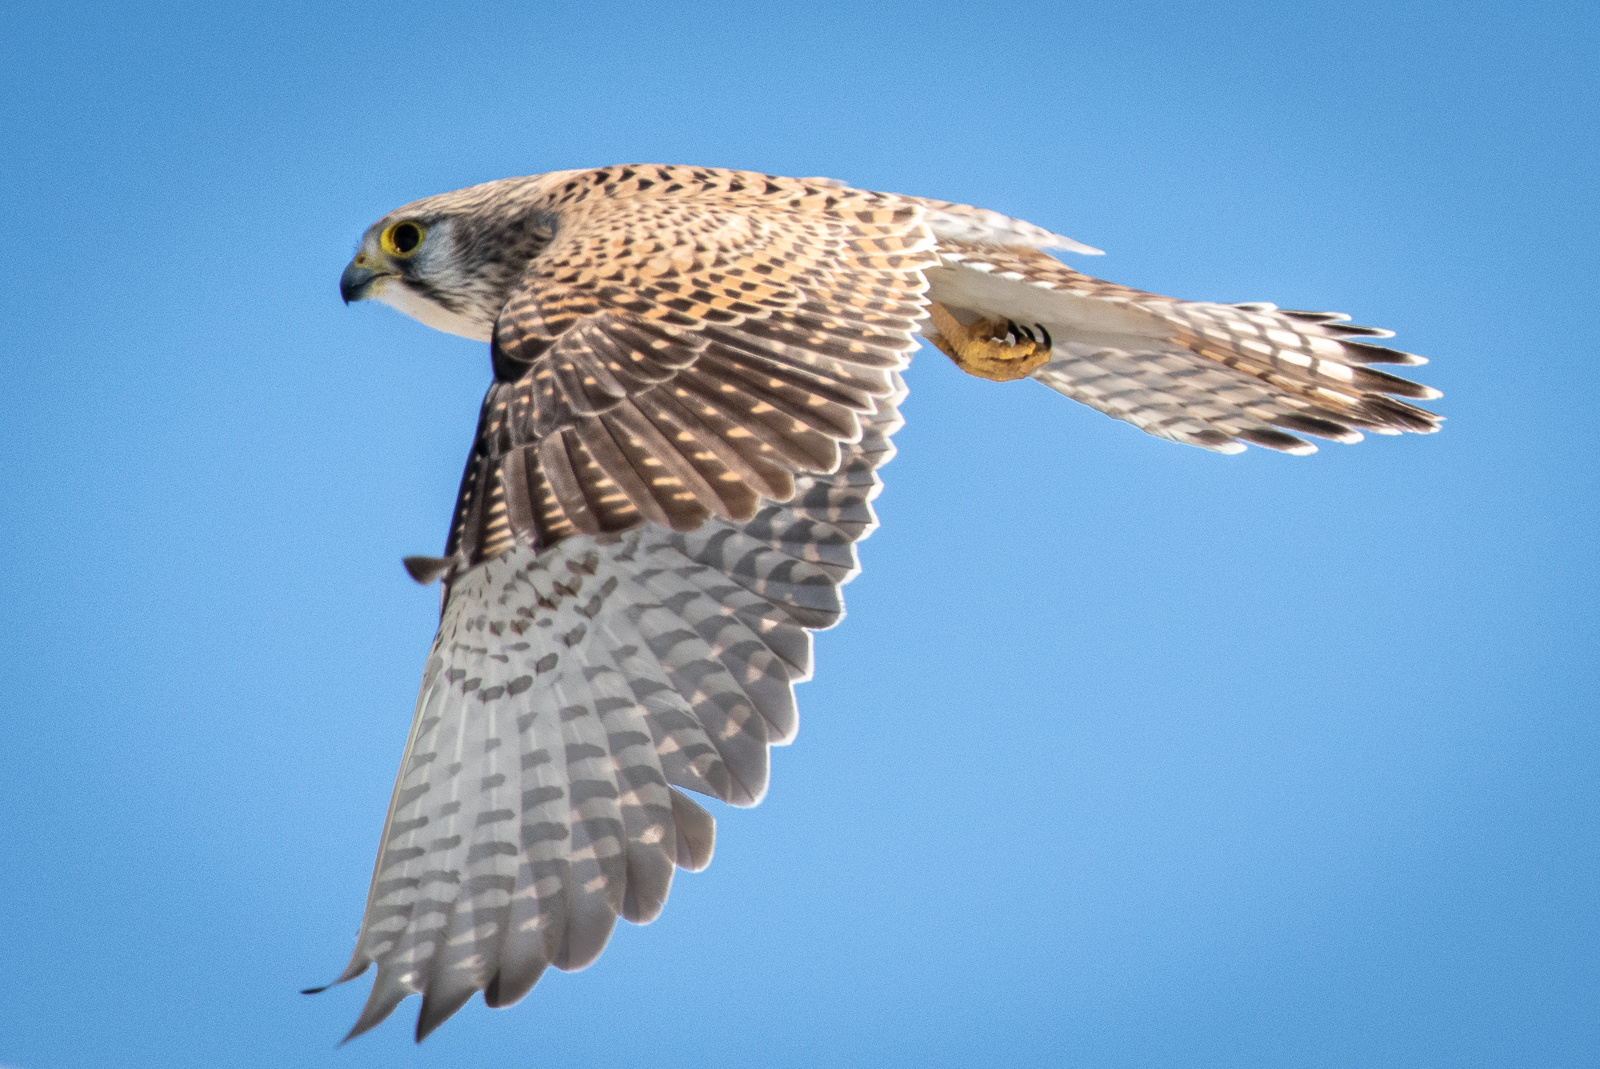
(570, 694)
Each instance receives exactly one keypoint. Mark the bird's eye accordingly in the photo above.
(402, 239)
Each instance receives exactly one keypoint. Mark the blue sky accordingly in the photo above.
(1128, 754)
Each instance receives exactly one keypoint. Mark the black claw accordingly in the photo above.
(1048, 344)
(1018, 333)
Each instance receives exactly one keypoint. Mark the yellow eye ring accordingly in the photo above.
(402, 240)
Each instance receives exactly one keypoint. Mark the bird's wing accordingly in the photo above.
(690, 340)
(1212, 375)
(569, 694)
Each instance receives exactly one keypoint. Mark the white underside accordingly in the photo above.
(1066, 315)
(392, 292)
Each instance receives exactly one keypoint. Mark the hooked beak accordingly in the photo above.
(356, 282)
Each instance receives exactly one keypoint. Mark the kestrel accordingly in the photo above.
(696, 378)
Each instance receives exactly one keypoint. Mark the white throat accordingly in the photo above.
(392, 292)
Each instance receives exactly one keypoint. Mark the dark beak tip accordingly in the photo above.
(353, 284)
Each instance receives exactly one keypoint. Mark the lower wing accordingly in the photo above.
(569, 695)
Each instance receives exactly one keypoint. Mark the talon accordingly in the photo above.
(987, 349)
(1048, 342)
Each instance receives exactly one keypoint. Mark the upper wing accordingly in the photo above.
(688, 342)
(1212, 375)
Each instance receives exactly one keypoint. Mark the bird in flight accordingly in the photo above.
(696, 379)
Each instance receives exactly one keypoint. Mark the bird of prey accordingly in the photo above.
(696, 378)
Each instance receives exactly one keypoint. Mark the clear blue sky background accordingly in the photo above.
(1128, 755)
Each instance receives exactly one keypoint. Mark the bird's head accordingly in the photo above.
(449, 261)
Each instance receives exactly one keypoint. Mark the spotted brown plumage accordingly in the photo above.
(683, 342)
(696, 377)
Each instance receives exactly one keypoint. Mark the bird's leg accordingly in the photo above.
(984, 349)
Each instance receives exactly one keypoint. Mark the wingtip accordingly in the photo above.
(351, 971)
(445, 995)
(365, 1023)
(1276, 440)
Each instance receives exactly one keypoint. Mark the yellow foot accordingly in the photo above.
(984, 348)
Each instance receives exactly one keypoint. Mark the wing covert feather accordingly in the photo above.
(706, 335)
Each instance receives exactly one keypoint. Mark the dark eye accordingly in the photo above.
(402, 239)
